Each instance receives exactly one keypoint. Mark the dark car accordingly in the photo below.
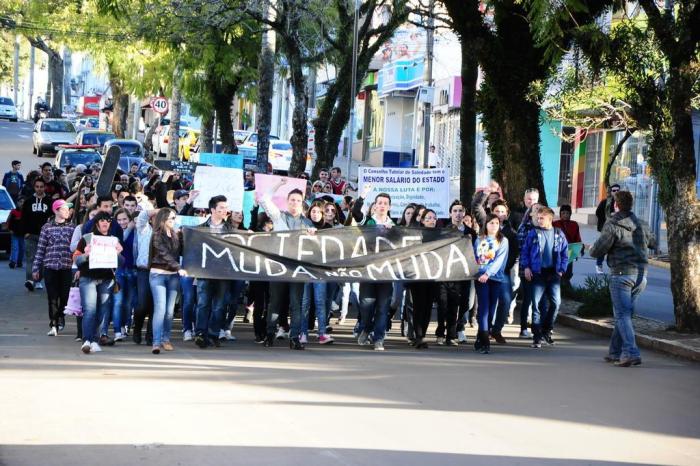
(74, 155)
(98, 138)
(129, 147)
(125, 163)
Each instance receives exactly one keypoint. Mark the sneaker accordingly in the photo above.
(611, 359)
(536, 344)
(78, 338)
(461, 337)
(303, 338)
(187, 336)
(440, 341)
(451, 343)
(39, 286)
(85, 348)
(53, 332)
(379, 345)
(29, 285)
(222, 334)
(167, 346)
(325, 340)
(627, 362)
(548, 338)
(216, 342)
(281, 334)
(155, 349)
(334, 306)
(200, 341)
(296, 344)
(525, 334)
(499, 338)
(95, 347)
(105, 340)
(12, 265)
(363, 339)
(599, 270)
(228, 336)
(61, 327)
(119, 336)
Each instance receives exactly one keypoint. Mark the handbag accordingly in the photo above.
(74, 307)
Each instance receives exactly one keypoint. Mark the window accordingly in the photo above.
(6, 101)
(57, 127)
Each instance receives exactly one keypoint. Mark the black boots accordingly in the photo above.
(269, 340)
(295, 344)
(482, 344)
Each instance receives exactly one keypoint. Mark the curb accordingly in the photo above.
(671, 347)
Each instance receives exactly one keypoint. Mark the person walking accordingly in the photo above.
(35, 213)
(603, 212)
(13, 180)
(625, 239)
(54, 261)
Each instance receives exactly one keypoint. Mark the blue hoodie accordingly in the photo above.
(531, 252)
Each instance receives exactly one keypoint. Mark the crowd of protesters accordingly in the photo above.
(522, 253)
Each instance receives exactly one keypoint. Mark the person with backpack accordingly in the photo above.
(544, 258)
(13, 180)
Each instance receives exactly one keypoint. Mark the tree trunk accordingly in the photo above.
(321, 126)
(300, 134)
(618, 150)
(120, 110)
(67, 65)
(206, 143)
(222, 104)
(266, 77)
(56, 83)
(176, 105)
(467, 123)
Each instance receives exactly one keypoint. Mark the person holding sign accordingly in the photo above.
(96, 282)
(291, 219)
(375, 298)
(166, 249)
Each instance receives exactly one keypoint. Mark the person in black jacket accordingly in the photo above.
(603, 212)
(500, 209)
(36, 211)
(165, 252)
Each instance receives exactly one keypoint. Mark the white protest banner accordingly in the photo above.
(216, 181)
(263, 183)
(103, 252)
(427, 186)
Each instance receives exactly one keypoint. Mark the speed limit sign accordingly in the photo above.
(160, 105)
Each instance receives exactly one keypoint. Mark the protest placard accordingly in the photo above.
(430, 187)
(179, 166)
(103, 252)
(263, 183)
(248, 203)
(215, 181)
(221, 160)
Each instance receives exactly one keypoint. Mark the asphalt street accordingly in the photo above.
(248, 405)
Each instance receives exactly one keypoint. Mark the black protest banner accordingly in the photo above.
(351, 254)
(179, 166)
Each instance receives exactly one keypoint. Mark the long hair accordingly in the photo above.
(161, 219)
(317, 203)
(484, 232)
(414, 218)
(402, 220)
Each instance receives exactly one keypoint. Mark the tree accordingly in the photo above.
(656, 58)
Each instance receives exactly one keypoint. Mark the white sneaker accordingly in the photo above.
(119, 336)
(334, 306)
(125, 331)
(53, 332)
(228, 336)
(94, 347)
(440, 341)
(599, 270)
(39, 286)
(303, 339)
(222, 334)
(461, 337)
(281, 334)
(85, 348)
(187, 336)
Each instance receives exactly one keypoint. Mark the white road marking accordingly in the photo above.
(24, 136)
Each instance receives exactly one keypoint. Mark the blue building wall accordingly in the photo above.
(550, 155)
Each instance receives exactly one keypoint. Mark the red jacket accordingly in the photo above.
(570, 229)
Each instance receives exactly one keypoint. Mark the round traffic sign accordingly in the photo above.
(160, 105)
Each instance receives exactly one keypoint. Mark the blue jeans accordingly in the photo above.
(624, 290)
(124, 301)
(95, 295)
(505, 297)
(319, 292)
(164, 288)
(17, 249)
(375, 299)
(545, 284)
(211, 299)
(189, 295)
(487, 295)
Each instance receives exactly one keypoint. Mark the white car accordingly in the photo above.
(51, 132)
(87, 123)
(252, 141)
(161, 139)
(8, 109)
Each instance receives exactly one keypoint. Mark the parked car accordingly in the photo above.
(50, 133)
(129, 147)
(87, 123)
(280, 157)
(8, 109)
(240, 136)
(97, 137)
(126, 161)
(160, 146)
(252, 140)
(6, 205)
(77, 154)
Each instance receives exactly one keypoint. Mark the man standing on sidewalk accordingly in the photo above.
(54, 260)
(35, 213)
(625, 239)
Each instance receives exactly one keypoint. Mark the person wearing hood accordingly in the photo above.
(625, 240)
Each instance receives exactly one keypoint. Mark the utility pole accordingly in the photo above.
(15, 84)
(353, 89)
(427, 106)
(30, 106)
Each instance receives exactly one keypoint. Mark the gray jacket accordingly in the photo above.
(625, 239)
(283, 221)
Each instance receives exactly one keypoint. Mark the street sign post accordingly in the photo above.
(160, 105)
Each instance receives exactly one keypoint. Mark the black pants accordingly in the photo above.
(57, 289)
(451, 298)
(259, 293)
(284, 296)
(424, 295)
(145, 304)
